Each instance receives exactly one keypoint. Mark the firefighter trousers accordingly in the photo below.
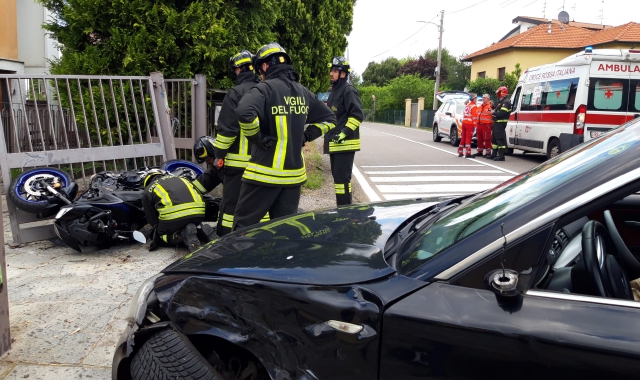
(232, 183)
(465, 140)
(341, 165)
(256, 200)
(483, 134)
(499, 135)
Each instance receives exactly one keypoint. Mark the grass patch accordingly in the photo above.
(313, 162)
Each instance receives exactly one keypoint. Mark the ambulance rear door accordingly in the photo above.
(611, 95)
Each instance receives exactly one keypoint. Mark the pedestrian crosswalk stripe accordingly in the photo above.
(436, 188)
(444, 178)
(436, 172)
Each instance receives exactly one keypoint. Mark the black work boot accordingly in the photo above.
(206, 233)
(500, 155)
(492, 155)
(190, 237)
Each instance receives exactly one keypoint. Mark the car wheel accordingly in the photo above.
(170, 355)
(508, 151)
(436, 133)
(453, 136)
(553, 149)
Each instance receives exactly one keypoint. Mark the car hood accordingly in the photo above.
(326, 247)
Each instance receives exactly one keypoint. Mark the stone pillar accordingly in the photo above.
(407, 113)
(420, 109)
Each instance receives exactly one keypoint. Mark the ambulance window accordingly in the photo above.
(606, 94)
(637, 95)
(531, 98)
(559, 94)
(460, 108)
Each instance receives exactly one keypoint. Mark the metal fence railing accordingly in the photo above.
(82, 125)
(386, 116)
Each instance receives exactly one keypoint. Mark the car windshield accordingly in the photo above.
(496, 203)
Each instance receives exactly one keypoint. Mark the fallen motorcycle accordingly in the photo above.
(109, 211)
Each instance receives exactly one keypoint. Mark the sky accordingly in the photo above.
(385, 28)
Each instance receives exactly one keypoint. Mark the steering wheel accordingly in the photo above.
(602, 261)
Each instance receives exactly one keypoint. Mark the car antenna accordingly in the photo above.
(504, 249)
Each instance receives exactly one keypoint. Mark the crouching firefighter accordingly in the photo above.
(342, 142)
(499, 130)
(175, 210)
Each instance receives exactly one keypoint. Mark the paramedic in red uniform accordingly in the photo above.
(469, 122)
(483, 132)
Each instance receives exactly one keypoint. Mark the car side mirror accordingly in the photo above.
(503, 282)
(448, 113)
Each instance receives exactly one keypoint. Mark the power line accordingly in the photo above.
(405, 40)
(534, 1)
(470, 6)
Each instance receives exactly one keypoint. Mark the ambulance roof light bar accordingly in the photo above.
(588, 49)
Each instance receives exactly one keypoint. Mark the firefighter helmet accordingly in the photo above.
(340, 64)
(203, 148)
(242, 60)
(273, 54)
(502, 92)
(153, 175)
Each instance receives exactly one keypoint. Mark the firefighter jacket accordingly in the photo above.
(172, 198)
(230, 143)
(208, 180)
(502, 111)
(277, 110)
(344, 100)
(470, 115)
(485, 116)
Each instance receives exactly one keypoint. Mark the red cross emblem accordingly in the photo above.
(608, 94)
(558, 94)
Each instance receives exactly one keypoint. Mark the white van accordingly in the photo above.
(560, 105)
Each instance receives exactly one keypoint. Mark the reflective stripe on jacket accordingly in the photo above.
(278, 109)
(174, 198)
(485, 117)
(503, 111)
(344, 101)
(470, 115)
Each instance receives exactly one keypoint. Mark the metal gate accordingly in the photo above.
(414, 115)
(82, 125)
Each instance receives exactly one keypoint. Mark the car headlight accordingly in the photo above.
(63, 211)
(138, 307)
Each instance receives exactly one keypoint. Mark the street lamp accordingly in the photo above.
(437, 86)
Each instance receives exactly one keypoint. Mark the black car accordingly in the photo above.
(530, 280)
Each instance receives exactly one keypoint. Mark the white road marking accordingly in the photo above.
(368, 190)
(393, 197)
(436, 172)
(446, 151)
(444, 178)
(459, 188)
(411, 166)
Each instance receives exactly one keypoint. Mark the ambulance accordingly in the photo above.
(560, 105)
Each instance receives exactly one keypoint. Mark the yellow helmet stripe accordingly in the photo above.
(272, 50)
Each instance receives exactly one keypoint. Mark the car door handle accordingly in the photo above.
(631, 223)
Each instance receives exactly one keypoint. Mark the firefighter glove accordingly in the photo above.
(266, 142)
(340, 138)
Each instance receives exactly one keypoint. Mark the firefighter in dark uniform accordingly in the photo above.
(175, 210)
(342, 142)
(273, 115)
(499, 129)
(231, 146)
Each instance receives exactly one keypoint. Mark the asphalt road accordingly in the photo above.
(399, 163)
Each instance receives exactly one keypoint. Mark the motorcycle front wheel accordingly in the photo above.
(27, 193)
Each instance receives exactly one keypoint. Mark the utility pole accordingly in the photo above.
(437, 87)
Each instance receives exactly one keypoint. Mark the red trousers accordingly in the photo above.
(465, 139)
(483, 134)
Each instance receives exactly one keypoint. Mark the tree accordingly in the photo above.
(410, 87)
(482, 86)
(458, 72)
(423, 67)
(379, 74)
(185, 37)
